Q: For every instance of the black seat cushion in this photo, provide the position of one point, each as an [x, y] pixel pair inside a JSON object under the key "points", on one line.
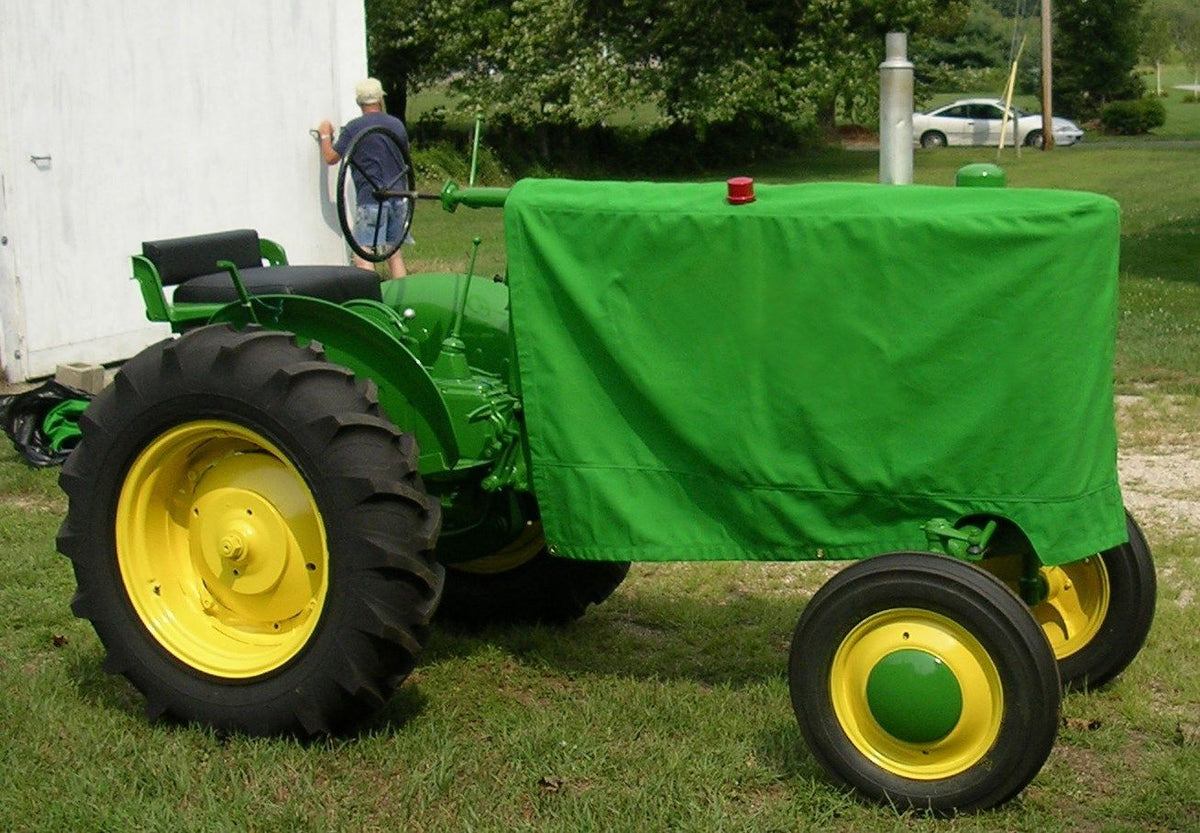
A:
{"points": [[179, 258], [331, 283]]}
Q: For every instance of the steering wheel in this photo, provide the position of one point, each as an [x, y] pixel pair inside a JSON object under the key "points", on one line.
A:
{"points": [[376, 163]]}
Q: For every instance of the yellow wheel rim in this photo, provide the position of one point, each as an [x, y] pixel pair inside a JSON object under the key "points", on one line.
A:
{"points": [[221, 549], [520, 550], [892, 635], [1076, 603]]}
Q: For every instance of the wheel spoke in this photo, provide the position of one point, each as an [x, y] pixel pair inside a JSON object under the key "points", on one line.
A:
{"points": [[1076, 604], [378, 225], [370, 180]]}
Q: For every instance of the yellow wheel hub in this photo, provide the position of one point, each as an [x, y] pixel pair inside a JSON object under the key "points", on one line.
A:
{"points": [[221, 549], [922, 671], [1076, 603]]}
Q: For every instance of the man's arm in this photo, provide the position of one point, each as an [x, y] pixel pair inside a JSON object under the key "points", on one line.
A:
{"points": [[325, 142]]}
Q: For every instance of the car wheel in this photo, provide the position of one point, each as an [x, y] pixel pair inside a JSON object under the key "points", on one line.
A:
{"points": [[933, 139], [1034, 139]]}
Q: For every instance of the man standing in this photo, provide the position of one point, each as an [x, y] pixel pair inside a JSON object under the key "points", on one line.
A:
{"points": [[375, 223]]}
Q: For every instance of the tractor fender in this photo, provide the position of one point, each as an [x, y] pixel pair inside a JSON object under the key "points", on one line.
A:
{"points": [[367, 343]]}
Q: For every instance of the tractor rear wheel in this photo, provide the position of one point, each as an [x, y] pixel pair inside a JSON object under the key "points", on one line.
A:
{"points": [[522, 582], [249, 535], [924, 682]]}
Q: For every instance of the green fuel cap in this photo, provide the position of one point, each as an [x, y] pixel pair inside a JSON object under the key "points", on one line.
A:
{"points": [[980, 175]]}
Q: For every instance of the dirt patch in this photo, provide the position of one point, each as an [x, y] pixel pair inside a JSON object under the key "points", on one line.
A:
{"points": [[34, 503], [1162, 488], [1159, 461]]}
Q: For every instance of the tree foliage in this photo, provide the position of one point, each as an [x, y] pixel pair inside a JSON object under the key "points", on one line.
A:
{"points": [[1157, 38], [981, 40], [696, 62], [1186, 29], [1096, 46]]}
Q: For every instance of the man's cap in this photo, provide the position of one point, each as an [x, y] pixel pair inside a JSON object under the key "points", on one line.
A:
{"points": [[368, 91]]}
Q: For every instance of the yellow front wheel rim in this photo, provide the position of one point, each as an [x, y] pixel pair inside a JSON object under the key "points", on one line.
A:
{"points": [[1076, 603], [222, 549], [961, 735]]}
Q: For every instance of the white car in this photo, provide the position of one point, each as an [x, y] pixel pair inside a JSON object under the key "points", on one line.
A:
{"points": [[976, 121]]}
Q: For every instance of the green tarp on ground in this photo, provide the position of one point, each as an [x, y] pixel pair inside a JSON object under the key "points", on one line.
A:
{"points": [[817, 373]]}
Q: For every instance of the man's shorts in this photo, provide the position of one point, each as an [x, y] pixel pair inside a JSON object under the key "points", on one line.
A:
{"points": [[390, 223]]}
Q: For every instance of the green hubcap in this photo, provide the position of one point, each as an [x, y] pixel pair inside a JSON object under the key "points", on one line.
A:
{"points": [[914, 696]]}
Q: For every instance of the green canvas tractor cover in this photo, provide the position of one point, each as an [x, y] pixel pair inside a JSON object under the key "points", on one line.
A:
{"points": [[817, 373]]}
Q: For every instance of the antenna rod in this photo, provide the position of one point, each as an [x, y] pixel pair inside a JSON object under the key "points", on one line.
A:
{"points": [[475, 149]]}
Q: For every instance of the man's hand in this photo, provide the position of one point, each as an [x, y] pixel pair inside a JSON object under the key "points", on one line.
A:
{"points": [[325, 142]]}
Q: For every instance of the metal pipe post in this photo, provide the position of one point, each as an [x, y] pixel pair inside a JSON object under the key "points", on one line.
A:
{"points": [[895, 113]]}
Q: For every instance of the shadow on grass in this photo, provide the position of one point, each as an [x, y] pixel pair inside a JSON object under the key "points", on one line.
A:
{"points": [[103, 690], [816, 165], [113, 693], [646, 637], [1170, 251]]}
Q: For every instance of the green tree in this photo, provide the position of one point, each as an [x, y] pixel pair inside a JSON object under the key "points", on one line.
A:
{"points": [[699, 62], [1157, 36], [1186, 29], [981, 40], [1096, 46], [840, 46]]}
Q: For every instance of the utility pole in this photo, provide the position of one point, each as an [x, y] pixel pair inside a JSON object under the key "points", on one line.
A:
{"points": [[1047, 78]]}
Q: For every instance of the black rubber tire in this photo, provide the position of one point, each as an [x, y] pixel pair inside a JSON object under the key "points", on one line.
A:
{"points": [[1133, 593], [933, 139], [406, 184], [992, 618], [542, 588], [1033, 139], [359, 474]]}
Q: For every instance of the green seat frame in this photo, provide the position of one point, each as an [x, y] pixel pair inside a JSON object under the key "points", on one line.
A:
{"points": [[182, 316]]}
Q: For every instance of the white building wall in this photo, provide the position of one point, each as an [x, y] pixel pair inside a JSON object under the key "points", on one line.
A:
{"points": [[132, 120]]}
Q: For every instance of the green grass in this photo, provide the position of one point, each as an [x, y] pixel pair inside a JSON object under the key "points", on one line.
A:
{"points": [[664, 709], [667, 707]]}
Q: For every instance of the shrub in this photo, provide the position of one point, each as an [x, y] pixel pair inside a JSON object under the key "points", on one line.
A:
{"points": [[1133, 117], [441, 160]]}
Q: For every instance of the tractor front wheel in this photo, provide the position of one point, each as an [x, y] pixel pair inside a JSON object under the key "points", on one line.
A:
{"points": [[1096, 612], [924, 682], [249, 535]]}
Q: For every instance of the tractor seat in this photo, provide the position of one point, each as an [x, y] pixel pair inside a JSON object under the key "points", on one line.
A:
{"points": [[330, 283], [190, 264]]}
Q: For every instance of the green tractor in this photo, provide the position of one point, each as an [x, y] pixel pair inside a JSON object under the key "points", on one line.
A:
{"points": [[267, 509]]}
